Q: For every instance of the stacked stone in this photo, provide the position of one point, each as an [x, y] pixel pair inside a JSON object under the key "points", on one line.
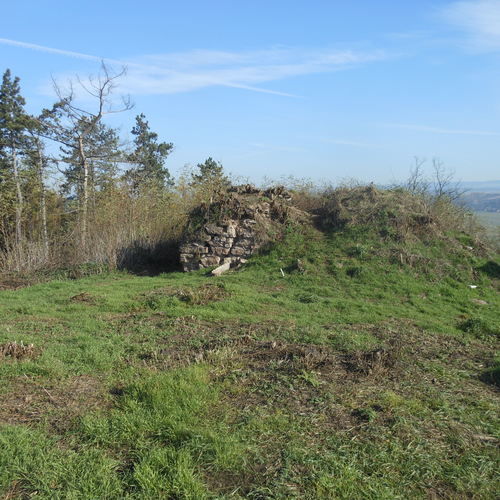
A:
{"points": [[232, 242], [234, 239]]}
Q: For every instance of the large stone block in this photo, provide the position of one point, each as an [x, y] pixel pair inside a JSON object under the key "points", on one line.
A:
{"points": [[239, 251], [220, 250], [194, 248], [210, 260], [214, 229], [231, 230], [221, 241]]}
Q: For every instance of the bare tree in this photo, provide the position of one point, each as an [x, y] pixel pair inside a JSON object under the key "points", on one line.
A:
{"points": [[444, 183], [417, 183], [75, 128]]}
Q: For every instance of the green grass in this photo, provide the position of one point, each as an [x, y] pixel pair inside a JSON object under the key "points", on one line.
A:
{"points": [[368, 371]]}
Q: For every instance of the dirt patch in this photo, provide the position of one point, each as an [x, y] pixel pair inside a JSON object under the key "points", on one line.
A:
{"points": [[292, 358], [28, 401], [83, 298], [11, 282], [376, 363]]}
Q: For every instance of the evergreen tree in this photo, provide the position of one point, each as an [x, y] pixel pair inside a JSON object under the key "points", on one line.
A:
{"points": [[210, 172], [148, 157], [14, 141], [102, 153]]}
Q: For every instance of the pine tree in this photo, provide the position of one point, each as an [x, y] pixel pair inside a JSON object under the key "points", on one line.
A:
{"points": [[14, 141], [102, 153], [148, 157], [210, 172]]}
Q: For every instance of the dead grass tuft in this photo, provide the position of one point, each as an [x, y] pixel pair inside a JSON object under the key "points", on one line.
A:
{"points": [[203, 295], [18, 350], [396, 213], [83, 297], [376, 363]]}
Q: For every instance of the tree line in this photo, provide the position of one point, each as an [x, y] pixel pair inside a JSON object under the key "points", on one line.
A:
{"points": [[72, 191]]}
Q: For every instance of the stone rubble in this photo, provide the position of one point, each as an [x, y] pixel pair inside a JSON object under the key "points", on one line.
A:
{"points": [[238, 235], [214, 245]]}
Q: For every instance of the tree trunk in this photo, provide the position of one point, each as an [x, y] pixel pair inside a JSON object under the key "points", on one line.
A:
{"points": [[43, 203], [85, 189], [19, 196]]}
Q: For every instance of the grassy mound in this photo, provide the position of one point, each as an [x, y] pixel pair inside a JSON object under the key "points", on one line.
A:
{"points": [[351, 360]]}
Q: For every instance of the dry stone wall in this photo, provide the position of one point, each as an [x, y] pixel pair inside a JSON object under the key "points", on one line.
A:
{"points": [[249, 217]]}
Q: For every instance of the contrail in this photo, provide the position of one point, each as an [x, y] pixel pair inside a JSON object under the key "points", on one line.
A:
{"points": [[89, 57], [50, 50]]}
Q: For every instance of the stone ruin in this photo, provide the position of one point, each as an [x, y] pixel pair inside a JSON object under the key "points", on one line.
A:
{"points": [[230, 229]]}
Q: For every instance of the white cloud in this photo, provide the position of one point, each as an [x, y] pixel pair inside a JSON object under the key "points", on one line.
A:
{"points": [[197, 69], [437, 130], [480, 19], [173, 73]]}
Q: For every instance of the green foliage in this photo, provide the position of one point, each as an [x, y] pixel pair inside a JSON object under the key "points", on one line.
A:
{"points": [[479, 328], [14, 120], [209, 172], [14, 143], [101, 147], [148, 157]]}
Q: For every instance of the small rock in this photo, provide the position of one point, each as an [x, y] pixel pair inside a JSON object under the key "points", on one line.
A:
{"points": [[231, 231], [238, 251], [480, 302], [221, 269]]}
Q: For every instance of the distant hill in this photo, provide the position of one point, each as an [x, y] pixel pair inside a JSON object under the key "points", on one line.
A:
{"points": [[482, 186], [482, 202], [481, 196]]}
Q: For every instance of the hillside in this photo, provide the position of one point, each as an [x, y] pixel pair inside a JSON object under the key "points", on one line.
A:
{"points": [[482, 202], [351, 359]]}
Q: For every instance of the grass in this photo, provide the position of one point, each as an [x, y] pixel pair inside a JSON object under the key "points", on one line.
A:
{"points": [[370, 370]]}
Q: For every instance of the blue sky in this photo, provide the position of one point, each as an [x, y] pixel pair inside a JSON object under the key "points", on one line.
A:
{"points": [[325, 90]]}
